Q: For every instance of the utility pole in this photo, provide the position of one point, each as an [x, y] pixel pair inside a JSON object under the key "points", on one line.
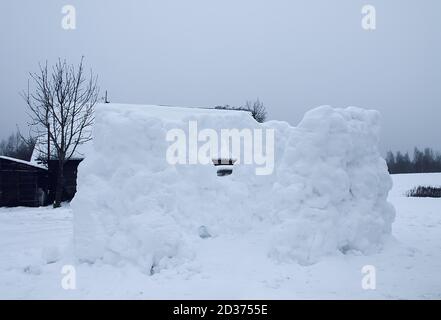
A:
{"points": [[48, 138]]}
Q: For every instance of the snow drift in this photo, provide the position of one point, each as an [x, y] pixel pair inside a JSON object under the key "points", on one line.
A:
{"points": [[327, 193]]}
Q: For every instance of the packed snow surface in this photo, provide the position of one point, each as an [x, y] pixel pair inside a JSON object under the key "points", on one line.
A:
{"points": [[327, 193], [35, 245]]}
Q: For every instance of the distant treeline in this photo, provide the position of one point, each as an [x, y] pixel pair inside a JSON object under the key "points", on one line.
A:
{"points": [[15, 146], [422, 161]]}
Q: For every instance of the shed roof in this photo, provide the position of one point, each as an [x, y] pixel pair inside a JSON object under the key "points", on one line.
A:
{"points": [[28, 163]]}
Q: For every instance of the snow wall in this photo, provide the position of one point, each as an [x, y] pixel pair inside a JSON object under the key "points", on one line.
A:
{"points": [[327, 193]]}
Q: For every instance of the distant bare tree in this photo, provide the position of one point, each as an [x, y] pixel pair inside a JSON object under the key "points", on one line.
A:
{"points": [[257, 109], [61, 113]]}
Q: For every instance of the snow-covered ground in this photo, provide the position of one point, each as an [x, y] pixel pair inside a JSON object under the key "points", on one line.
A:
{"points": [[230, 267]]}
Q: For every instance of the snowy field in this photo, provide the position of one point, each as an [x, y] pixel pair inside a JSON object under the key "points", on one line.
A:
{"points": [[36, 243]]}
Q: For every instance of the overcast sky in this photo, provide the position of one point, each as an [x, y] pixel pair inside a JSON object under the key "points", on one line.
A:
{"points": [[293, 55]]}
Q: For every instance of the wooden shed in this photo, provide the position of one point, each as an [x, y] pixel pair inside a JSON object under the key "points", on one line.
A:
{"points": [[22, 183]]}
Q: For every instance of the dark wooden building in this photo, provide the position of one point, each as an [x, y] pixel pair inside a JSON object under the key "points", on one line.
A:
{"points": [[28, 184], [22, 183]]}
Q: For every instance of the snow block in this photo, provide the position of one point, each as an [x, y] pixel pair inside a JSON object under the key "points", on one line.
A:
{"points": [[327, 193]]}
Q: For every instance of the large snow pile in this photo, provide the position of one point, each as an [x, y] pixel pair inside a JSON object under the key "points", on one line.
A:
{"points": [[326, 194]]}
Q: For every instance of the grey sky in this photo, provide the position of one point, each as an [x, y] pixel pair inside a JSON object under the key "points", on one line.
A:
{"points": [[293, 55]]}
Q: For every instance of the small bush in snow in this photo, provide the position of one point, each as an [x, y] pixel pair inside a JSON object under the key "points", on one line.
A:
{"points": [[424, 192]]}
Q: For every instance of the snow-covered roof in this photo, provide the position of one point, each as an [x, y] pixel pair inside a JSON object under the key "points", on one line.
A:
{"points": [[28, 163]]}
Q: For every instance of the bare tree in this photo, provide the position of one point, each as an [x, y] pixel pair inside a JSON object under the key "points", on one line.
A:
{"points": [[257, 109], [61, 113]]}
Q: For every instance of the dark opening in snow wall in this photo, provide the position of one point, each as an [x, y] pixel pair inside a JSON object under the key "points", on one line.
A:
{"points": [[224, 166]]}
